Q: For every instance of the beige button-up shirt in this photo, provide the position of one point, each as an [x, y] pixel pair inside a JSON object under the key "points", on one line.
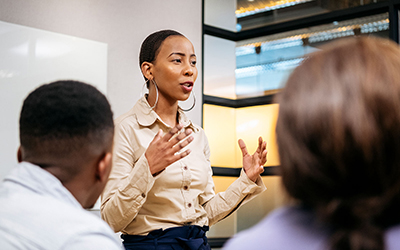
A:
{"points": [[134, 202]]}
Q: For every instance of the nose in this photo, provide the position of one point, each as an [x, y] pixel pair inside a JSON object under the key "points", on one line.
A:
{"points": [[188, 71]]}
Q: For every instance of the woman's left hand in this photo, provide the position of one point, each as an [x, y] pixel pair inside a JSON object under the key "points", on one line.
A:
{"points": [[253, 165]]}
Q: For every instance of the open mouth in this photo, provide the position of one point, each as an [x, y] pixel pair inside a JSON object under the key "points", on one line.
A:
{"points": [[188, 84]]}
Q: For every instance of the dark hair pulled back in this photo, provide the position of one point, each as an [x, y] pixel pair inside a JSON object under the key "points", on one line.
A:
{"points": [[338, 133], [151, 45]]}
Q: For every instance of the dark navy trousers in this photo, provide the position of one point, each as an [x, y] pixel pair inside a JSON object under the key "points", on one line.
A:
{"points": [[176, 238]]}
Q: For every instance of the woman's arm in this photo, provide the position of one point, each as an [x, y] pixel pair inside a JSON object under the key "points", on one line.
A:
{"points": [[129, 182], [242, 190]]}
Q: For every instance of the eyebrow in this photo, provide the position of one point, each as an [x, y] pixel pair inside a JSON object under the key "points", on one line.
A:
{"points": [[180, 54]]}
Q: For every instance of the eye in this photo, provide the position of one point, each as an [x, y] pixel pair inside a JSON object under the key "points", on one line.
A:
{"points": [[177, 60], [193, 63]]}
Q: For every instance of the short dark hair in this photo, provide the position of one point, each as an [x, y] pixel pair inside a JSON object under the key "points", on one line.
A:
{"points": [[65, 119], [338, 133], [151, 45]]}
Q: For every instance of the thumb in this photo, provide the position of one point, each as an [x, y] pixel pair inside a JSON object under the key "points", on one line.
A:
{"points": [[158, 136], [242, 146]]}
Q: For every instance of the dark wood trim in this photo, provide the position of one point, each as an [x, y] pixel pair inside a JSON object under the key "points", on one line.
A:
{"points": [[394, 23], [214, 100], [255, 101], [235, 172], [217, 242], [238, 103], [218, 32]]}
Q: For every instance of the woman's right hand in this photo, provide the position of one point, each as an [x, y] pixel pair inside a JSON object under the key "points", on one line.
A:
{"points": [[164, 149]]}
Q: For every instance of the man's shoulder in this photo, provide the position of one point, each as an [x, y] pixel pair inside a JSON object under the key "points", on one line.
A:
{"points": [[41, 220]]}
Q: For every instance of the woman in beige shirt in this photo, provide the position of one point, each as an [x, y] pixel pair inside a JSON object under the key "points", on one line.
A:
{"points": [[160, 194]]}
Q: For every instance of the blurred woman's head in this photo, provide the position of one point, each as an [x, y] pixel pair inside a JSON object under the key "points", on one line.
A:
{"points": [[339, 138]]}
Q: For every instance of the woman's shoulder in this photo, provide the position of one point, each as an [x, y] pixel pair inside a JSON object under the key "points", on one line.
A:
{"points": [[129, 117], [126, 121], [285, 228], [392, 237]]}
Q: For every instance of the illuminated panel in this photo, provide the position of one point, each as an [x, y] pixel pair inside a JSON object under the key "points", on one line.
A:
{"points": [[247, 215], [252, 122], [255, 210], [219, 126]]}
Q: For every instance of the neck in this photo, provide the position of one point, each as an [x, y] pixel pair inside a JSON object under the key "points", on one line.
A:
{"points": [[79, 189], [165, 109]]}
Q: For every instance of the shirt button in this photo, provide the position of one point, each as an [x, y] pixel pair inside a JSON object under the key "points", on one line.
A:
{"points": [[185, 168], [190, 205], [185, 187], [143, 195]]}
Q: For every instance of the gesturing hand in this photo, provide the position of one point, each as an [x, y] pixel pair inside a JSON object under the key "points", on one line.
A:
{"points": [[163, 149], [253, 165]]}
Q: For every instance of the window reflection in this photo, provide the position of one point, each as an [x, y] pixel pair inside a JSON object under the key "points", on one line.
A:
{"points": [[263, 64], [256, 13]]}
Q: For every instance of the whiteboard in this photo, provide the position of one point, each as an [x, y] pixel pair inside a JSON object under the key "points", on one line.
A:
{"points": [[31, 57]]}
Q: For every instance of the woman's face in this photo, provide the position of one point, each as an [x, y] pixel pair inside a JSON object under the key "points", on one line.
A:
{"points": [[175, 68]]}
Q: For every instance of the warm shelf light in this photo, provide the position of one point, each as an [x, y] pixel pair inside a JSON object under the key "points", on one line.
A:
{"points": [[272, 5]]}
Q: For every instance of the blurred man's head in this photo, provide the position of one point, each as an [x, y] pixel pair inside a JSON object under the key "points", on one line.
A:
{"points": [[66, 127]]}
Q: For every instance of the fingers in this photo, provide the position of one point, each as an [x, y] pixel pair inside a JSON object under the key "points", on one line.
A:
{"points": [[183, 154], [262, 145], [181, 136], [172, 132], [167, 149], [179, 146], [243, 147], [263, 158], [177, 141]]}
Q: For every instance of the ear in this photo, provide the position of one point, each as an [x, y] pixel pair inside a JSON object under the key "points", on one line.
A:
{"points": [[19, 154], [147, 70], [103, 167]]}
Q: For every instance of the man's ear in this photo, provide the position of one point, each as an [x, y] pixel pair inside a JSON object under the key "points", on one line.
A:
{"points": [[103, 167], [147, 70], [19, 154]]}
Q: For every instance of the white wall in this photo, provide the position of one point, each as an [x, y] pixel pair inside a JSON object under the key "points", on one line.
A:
{"points": [[123, 25], [30, 57], [220, 13]]}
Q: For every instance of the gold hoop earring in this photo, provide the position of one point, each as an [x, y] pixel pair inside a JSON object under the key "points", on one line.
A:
{"points": [[155, 85], [194, 102]]}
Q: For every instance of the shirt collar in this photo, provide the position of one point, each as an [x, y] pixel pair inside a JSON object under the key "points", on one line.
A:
{"points": [[41, 181], [146, 116]]}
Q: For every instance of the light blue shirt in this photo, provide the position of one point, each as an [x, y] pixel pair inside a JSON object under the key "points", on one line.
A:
{"points": [[297, 228], [38, 212]]}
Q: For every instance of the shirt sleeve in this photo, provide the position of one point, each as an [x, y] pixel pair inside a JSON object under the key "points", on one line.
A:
{"points": [[129, 182], [242, 190]]}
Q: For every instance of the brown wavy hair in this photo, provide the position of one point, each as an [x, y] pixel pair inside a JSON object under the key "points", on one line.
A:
{"points": [[338, 134]]}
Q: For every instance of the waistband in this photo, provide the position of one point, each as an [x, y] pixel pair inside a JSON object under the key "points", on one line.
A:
{"points": [[188, 237]]}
